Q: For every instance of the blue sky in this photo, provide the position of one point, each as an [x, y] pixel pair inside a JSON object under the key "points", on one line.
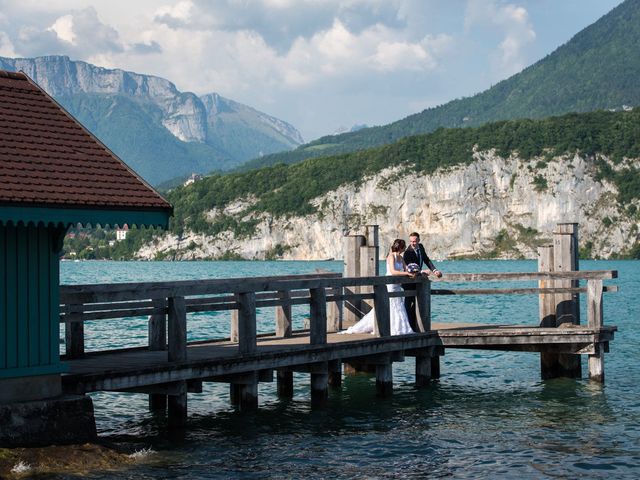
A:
{"points": [[321, 65]]}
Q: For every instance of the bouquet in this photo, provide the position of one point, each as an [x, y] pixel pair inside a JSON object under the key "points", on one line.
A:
{"points": [[413, 268]]}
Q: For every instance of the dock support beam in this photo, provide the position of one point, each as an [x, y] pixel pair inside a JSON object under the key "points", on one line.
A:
{"points": [[596, 365], [177, 406], [319, 384], [335, 374], [384, 380], [243, 391], [560, 308], [285, 383], [351, 253], [565, 256], [158, 342]]}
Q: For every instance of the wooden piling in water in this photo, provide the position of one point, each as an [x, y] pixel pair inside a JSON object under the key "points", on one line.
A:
{"points": [[158, 342], [565, 257], [319, 384], [351, 257], [335, 374], [177, 405], [547, 310]]}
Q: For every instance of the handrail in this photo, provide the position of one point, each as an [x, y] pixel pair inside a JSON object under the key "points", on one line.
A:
{"points": [[94, 293], [167, 303]]}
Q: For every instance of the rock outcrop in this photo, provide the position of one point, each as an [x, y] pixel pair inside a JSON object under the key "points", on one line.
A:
{"points": [[498, 207]]}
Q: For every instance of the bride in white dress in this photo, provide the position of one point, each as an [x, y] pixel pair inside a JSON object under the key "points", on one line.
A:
{"points": [[398, 313]]}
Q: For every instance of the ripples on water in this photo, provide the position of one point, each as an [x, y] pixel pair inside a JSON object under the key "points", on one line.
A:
{"points": [[489, 416]]}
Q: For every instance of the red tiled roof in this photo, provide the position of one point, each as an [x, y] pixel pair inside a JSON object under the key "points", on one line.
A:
{"points": [[49, 159]]}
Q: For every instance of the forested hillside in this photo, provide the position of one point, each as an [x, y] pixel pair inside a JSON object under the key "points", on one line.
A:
{"points": [[597, 69], [288, 190]]}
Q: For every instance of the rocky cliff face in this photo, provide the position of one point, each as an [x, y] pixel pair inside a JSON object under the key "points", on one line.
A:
{"points": [[503, 207]]}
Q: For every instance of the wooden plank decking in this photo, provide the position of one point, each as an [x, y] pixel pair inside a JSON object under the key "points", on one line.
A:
{"points": [[135, 368]]}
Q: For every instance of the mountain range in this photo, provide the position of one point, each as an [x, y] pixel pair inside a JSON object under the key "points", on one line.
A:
{"points": [[159, 131], [597, 69]]}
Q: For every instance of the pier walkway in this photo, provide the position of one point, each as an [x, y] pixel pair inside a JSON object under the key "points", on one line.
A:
{"points": [[170, 367]]}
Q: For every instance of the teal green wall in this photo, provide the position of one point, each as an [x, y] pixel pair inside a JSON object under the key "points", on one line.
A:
{"points": [[29, 299]]}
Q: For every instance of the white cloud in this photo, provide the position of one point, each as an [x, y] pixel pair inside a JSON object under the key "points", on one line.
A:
{"points": [[315, 63], [6, 46], [515, 28], [63, 28]]}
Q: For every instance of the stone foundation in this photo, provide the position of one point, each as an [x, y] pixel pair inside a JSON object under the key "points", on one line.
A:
{"points": [[63, 420]]}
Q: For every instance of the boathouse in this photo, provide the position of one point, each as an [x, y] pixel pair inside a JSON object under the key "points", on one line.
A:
{"points": [[53, 174]]}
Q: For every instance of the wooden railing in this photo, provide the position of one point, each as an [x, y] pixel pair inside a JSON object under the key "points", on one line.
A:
{"points": [[167, 303]]}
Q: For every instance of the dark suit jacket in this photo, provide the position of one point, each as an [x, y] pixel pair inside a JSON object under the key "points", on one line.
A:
{"points": [[410, 256]]}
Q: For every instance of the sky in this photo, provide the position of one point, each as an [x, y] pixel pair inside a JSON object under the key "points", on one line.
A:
{"points": [[321, 65]]}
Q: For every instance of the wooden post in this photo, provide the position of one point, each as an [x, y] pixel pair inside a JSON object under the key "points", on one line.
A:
{"points": [[594, 303], [334, 312], [74, 332], [244, 391], [319, 384], [335, 374], [177, 316], [384, 378], [368, 268], [318, 313], [565, 257], [248, 396], [351, 256], [177, 403], [596, 364], [549, 363], [158, 342], [285, 383], [423, 301], [435, 367], [247, 323], [233, 332], [595, 320], [158, 327], [423, 367], [372, 238], [283, 315], [382, 324]]}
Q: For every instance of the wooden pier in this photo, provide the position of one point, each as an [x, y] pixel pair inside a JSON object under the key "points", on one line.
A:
{"points": [[170, 367]]}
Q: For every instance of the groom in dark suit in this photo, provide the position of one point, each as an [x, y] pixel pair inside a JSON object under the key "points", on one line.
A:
{"points": [[415, 253]]}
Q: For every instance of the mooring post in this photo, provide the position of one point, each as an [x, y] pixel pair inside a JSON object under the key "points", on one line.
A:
{"points": [[549, 363], [158, 342], [565, 257], [351, 257], [595, 320]]}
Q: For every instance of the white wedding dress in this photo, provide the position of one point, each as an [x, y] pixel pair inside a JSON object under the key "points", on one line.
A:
{"points": [[399, 319]]}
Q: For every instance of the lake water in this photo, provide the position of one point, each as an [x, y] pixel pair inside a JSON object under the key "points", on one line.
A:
{"points": [[489, 415]]}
